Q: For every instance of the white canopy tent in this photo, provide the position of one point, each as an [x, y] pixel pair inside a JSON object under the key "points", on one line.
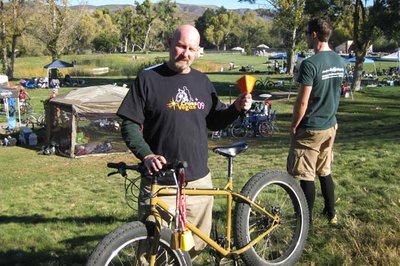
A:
{"points": [[393, 57], [263, 46], [238, 49]]}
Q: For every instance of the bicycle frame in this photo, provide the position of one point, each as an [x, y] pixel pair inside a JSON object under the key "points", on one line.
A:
{"points": [[230, 195]]}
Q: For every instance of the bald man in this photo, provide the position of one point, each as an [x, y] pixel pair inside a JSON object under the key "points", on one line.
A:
{"points": [[166, 114]]}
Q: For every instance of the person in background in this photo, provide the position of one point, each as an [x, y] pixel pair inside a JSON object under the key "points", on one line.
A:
{"points": [[276, 67], [23, 95], [53, 94], [166, 114], [314, 124]]}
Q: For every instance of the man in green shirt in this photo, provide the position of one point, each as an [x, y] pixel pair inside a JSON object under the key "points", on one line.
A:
{"points": [[314, 125]]}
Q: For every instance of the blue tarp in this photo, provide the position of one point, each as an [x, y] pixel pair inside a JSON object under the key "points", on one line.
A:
{"points": [[58, 64], [278, 56], [353, 60]]}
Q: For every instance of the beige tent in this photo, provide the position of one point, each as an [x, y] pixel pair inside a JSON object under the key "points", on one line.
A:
{"points": [[84, 121]]}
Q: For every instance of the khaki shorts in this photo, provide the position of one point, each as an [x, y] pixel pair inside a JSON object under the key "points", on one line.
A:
{"points": [[199, 208], [311, 153]]}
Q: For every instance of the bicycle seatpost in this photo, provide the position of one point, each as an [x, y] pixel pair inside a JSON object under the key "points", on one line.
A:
{"points": [[229, 152], [230, 167]]}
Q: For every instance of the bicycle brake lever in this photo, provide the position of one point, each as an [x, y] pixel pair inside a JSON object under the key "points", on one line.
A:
{"points": [[112, 173]]}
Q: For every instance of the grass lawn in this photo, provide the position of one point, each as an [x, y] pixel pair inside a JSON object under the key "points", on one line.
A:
{"points": [[54, 210]]}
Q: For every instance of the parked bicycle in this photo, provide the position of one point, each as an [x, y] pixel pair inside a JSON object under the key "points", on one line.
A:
{"points": [[33, 120], [26, 107], [270, 221], [266, 84], [256, 122]]}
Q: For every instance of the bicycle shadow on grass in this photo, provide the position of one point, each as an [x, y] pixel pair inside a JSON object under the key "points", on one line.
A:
{"points": [[37, 219], [47, 257], [76, 251]]}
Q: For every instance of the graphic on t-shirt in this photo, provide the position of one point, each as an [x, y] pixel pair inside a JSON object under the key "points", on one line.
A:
{"points": [[333, 72], [184, 101]]}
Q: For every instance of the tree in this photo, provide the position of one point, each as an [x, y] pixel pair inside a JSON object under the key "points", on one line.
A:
{"points": [[84, 34], [220, 27], [201, 24], [14, 16], [147, 14], [251, 30], [125, 21], [369, 24], [105, 42], [361, 40], [3, 37], [387, 13], [107, 31], [54, 25], [147, 11], [289, 19], [166, 11]]}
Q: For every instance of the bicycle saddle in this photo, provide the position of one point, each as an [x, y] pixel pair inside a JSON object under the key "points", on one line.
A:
{"points": [[231, 150]]}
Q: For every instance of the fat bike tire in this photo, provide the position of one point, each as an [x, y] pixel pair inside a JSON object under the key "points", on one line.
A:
{"points": [[280, 194], [129, 244]]}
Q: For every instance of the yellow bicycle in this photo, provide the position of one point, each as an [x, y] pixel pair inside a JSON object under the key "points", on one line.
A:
{"points": [[268, 226]]}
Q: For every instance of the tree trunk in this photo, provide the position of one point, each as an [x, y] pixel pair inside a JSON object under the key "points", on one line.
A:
{"points": [[52, 46], [10, 72], [291, 53], [358, 69], [3, 40], [146, 37], [126, 44]]}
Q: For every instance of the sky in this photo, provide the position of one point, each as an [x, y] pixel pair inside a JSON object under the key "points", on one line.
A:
{"points": [[228, 4]]}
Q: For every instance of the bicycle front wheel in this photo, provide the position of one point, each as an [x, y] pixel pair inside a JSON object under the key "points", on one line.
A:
{"points": [[238, 131], [129, 245], [280, 194]]}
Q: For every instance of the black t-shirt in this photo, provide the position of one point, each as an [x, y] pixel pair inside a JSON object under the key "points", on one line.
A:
{"points": [[175, 110]]}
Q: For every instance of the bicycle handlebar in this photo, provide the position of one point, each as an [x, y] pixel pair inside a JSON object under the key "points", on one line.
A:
{"points": [[122, 167]]}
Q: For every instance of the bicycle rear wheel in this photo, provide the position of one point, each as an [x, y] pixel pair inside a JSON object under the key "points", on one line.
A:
{"points": [[280, 194], [265, 129], [129, 244], [30, 121]]}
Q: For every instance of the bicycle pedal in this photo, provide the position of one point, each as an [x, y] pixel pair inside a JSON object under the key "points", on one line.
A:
{"points": [[186, 241], [175, 240]]}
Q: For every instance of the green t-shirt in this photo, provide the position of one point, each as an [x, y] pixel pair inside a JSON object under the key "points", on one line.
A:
{"points": [[323, 71]]}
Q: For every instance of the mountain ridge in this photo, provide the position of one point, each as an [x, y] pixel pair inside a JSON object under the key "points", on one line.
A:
{"points": [[189, 12]]}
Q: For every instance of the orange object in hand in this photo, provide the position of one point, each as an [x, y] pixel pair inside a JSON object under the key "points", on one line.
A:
{"points": [[246, 83]]}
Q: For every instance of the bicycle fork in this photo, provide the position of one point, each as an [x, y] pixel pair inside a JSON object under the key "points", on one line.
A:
{"points": [[156, 234], [155, 238]]}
